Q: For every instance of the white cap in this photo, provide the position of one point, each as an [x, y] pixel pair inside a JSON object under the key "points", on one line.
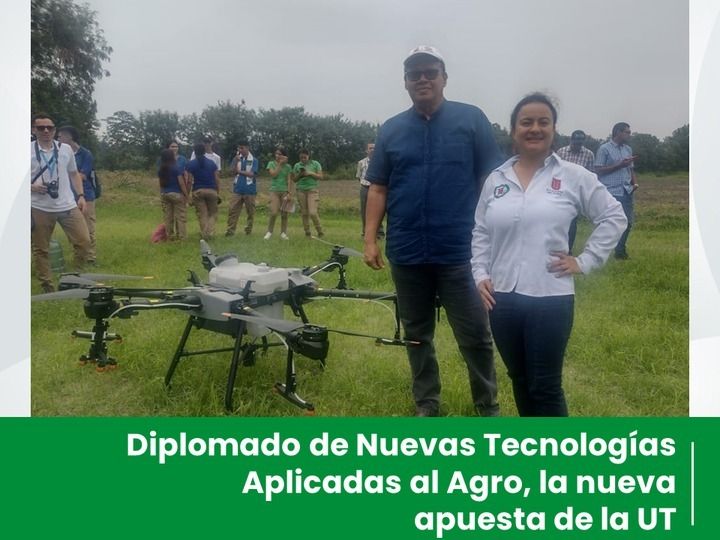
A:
{"points": [[424, 49]]}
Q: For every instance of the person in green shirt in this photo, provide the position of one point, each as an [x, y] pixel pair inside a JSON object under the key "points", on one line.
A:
{"points": [[306, 174], [281, 193]]}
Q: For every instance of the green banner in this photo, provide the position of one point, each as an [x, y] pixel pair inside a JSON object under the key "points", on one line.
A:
{"points": [[320, 478]]}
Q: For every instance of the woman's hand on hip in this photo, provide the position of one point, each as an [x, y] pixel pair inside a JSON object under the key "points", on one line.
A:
{"points": [[563, 264]]}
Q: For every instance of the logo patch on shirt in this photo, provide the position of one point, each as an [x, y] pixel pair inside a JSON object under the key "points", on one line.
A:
{"points": [[501, 191], [555, 188]]}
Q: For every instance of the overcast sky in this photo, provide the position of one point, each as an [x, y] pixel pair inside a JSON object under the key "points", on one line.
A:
{"points": [[603, 61]]}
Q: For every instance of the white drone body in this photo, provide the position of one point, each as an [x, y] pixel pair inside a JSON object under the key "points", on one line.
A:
{"points": [[264, 281]]}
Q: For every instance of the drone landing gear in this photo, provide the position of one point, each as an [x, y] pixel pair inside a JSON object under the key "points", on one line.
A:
{"points": [[97, 353], [287, 390], [242, 353]]}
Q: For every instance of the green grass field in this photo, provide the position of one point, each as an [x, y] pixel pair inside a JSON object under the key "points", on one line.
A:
{"points": [[628, 355]]}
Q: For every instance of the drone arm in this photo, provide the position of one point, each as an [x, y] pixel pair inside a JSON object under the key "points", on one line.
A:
{"points": [[347, 293], [132, 307], [325, 266], [378, 340], [160, 294]]}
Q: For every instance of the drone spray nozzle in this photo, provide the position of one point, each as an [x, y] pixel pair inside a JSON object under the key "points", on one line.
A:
{"points": [[206, 255]]}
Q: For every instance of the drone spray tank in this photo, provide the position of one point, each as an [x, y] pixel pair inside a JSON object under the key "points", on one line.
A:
{"points": [[263, 279]]}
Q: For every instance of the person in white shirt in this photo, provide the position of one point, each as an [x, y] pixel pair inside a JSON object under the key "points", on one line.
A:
{"points": [[209, 152], [52, 169], [520, 258], [360, 172]]}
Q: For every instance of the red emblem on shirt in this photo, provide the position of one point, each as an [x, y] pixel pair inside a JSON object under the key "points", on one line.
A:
{"points": [[555, 184]]}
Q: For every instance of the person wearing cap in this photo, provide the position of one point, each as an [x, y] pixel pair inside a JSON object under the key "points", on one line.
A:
{"points": [[576, 153], [427, 170], [614, 165]]}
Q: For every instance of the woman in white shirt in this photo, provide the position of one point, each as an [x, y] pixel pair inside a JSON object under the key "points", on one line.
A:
{"points": [[520, 259]]}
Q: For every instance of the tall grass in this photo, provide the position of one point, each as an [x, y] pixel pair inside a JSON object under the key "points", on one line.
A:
{"points": [[628, 354]]}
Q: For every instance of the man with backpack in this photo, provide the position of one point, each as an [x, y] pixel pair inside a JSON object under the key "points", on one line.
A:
{"points": [[85, 166]]}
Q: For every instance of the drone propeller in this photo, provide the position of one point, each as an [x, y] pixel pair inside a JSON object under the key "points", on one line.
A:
{"points": [[113, 277], [342, 250], [61, 295], [73, 281], [281, 326]]}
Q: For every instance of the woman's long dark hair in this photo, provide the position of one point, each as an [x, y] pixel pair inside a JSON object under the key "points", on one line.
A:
{"points": [[167, 162], [199, 150]]}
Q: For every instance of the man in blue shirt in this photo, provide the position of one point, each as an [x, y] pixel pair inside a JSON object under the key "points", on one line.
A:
{"points": [[427, 171], [614, 165], [85, 166], [246, 169]]}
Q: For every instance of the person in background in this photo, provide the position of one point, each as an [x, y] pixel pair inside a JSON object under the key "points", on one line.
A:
{"points": [[306, 174], [210, 154], [614, 165], [180, 162], [520, 262], [246, 169], [576, 153], [86, 167], [56, 196], [427, 169], [282, 193], [205, 187], [173, 196], [361, 171]]}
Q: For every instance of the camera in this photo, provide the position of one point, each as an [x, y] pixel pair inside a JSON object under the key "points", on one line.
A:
{"points": [[302, 170], [52, 189]]}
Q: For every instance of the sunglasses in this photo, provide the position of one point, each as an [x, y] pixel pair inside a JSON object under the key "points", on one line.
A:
{"points": [[44, 128], [415, 74]]}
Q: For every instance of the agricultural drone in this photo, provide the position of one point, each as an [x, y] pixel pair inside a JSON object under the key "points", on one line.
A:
{"points": [[241, 300]]}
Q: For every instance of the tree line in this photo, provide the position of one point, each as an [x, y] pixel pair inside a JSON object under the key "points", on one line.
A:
{"points": [[68, 50], [134, 142], [672, 154]]}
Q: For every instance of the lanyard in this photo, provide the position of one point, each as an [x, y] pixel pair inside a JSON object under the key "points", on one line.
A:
{"points": [[51, 164]]}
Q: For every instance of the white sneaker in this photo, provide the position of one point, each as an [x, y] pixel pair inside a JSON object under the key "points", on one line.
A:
{"points": [[284, 236], [267, 236]]}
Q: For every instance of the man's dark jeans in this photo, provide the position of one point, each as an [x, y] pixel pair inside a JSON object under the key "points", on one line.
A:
{"points": [[627, 206], [531, 334], [417, 287]]}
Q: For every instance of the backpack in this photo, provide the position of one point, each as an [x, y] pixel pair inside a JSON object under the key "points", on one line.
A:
{"points": [[95, 181], [159, 234]]}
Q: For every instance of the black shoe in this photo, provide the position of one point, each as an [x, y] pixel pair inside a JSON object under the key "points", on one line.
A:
{"points": [[488, 411], [622, 256], [425, 411]]}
